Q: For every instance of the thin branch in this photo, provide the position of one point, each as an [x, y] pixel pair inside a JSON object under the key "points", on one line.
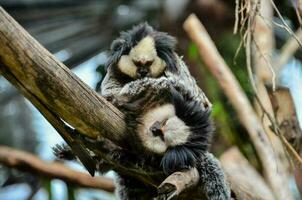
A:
{"points": [[236, 24], [288, 50], [293, 154], [284, 22], [263, 41], [235, 94], [27, 162]]}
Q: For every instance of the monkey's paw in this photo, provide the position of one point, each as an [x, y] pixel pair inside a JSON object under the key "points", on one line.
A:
{"points": [[139, 86]]}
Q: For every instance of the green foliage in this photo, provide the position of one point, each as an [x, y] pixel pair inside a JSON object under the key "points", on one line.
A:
{"points": [[47, 187], [71, 192], [228, 46], [193, 52]]}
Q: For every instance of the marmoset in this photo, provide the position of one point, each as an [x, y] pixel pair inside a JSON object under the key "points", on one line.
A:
{"points": [[144, 52], [169, 132], [166, 132], [167, 114]]}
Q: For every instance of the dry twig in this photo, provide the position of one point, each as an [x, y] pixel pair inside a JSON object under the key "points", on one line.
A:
{"points": [[27, 162], [263, 40], [233, 91], [288, 50]]}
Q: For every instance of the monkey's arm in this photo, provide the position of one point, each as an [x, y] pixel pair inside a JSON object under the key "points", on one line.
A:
{"points": [[212, 179], [101, 153], [183, 81], [76, 146], [110, 87]]}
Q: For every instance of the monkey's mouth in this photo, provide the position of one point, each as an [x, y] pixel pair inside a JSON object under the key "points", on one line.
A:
{"points": [[143, 74]]}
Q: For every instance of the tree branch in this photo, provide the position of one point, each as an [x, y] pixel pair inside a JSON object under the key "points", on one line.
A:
{"points": [[27, 162], [288, 50], [58, 93], [245, 181], [178, 182], [54, 85], [264, 44], [238, 99]]}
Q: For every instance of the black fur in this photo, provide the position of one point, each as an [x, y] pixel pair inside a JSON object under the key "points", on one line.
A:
{"points": [[182, 156], [164, 44], [186, 156], [192, 154]]}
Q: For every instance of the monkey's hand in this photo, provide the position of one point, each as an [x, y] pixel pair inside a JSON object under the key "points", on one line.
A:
{"points": [[141, 92], [136, 87]]}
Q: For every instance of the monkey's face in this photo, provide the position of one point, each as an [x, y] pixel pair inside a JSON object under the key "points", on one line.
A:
{"points": [[142, 52], [162, 129], [142, 61]]}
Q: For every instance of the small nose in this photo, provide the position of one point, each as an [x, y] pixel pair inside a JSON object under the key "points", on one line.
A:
{"points": [[143, 72]]}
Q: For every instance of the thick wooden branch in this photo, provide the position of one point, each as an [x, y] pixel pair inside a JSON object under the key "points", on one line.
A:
{"points": [[237, 97], [58, 93], [246, 183], [54, 85], [27, 162]]}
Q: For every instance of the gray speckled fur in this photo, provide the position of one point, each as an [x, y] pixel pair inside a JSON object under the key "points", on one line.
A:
{"points": [[212, 179], [181, 80], [212, 185]]}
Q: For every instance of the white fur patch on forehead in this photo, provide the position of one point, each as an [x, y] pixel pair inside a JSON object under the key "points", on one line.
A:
{"points": [[126, 66], [159, 114], [144, 51], [176, 132], [151, 143]]}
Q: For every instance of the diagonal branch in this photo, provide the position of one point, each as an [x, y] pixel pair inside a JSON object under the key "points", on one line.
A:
{"points": [[56, 87], [288, 50], [28, 162], [61, 97], [235, 94], [58, 93]]}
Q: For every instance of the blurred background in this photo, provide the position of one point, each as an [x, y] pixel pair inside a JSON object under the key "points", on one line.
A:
{"points": [[78, 33]]}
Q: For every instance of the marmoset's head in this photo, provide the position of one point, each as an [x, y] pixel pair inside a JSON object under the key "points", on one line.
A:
{"points": [[180, 131], [142, 52]]}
